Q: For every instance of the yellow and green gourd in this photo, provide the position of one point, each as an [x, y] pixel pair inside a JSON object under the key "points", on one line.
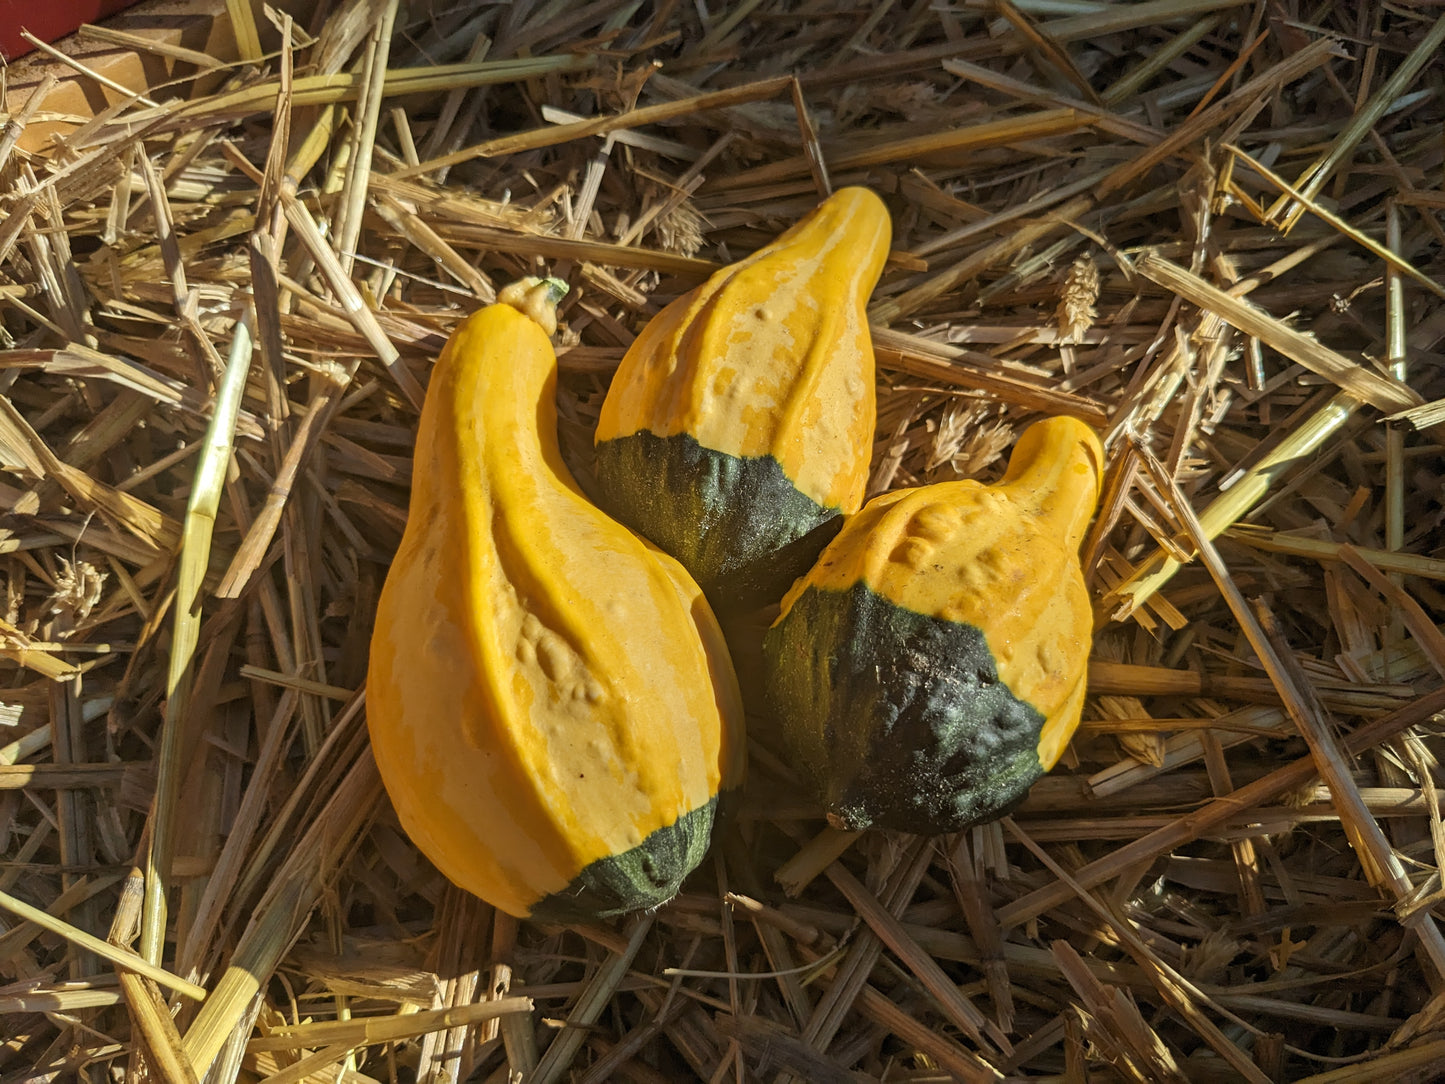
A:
{"points": [[550, 702], [931, 666], [738, 428]]}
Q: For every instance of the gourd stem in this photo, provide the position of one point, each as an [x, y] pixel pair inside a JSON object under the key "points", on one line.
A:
{"points": [[535, 298], [556, 289]]}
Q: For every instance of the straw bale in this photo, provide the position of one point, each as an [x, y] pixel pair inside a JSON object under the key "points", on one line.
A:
{"points": [[232, 247]]}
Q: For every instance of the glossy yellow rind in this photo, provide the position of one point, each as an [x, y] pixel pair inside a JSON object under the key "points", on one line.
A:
{"points": [[1054, 474], [771, 356], [545, 689], [1059, 727], [1001, 558]]}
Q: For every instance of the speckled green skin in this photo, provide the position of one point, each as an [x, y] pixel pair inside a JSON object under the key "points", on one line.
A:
{"points": [[737, 524], [895, 718], [645, 877]]}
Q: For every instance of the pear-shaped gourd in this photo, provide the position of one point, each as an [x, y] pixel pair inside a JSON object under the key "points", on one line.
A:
{"points": [[739, 426], [550, 702], [931, 666]]}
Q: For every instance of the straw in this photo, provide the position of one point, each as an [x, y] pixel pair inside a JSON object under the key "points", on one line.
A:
{"points": [[371, 1031], [158, 1036], [358, 175], [116, 955], [1299, 444], [243, 23], [193, 560], [352, 304], [1364, 384], [633, 118], [1360, 238], [145, 43], [15, 126], [90, 73], [558, 1056], [1233, 870], [330, 89], [1316, 173]]}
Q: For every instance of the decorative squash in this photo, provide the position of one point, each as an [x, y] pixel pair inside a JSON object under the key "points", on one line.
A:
{"points": [[931, 666], [739, 426], [550, 702]]}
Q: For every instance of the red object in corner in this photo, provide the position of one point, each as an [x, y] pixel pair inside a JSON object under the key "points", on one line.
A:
{"points": [[48, 20]]}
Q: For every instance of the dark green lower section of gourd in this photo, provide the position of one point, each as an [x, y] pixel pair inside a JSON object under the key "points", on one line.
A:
{"points": [[647, 876], [897, 719], [737, 524]]}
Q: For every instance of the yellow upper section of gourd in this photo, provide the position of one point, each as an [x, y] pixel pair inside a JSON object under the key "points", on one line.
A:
{"points": [[772, 355], [1001, 558], [545, 688]]}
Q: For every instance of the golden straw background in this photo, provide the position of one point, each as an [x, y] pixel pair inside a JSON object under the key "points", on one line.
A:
{"points": [[1211, 229]]}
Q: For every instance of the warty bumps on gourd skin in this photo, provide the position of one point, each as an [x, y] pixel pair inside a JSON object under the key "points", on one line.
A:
{"points": [[932, 664], [550, 701], [738, 428]]}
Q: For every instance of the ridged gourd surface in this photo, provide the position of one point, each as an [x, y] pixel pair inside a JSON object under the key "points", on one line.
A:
{"points": [[546, 690], [747, 406], [980, 588]]}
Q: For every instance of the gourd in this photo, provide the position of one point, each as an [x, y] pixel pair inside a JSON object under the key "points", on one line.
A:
{"points": [[931, 666], [551, 705], [739, 425]]}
